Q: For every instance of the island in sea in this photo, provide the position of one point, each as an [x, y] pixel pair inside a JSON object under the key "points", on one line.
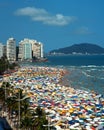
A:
{"points": [[82, 48]]}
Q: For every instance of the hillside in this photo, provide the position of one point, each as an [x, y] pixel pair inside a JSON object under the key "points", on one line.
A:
{"points": [[83, 48]]}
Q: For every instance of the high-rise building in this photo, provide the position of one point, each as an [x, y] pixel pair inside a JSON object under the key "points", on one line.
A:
{"points": [[11, 49], [21, 51], [41, 50], [4, 50], [27, 50], [37, 49], [1, 50], [30, 48]]}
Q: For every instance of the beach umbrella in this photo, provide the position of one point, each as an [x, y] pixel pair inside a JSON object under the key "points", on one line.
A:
{"points": [[100, 127], [58, 127]]}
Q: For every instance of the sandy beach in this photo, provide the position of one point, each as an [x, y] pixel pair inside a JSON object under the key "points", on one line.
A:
{"points": [[67, 108]]}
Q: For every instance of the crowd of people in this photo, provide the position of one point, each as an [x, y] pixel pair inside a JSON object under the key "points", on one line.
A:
{"points": [[66, 107]]}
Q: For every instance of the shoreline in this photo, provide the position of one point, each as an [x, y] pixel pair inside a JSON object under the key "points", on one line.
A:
{"points": [[76, 106]]}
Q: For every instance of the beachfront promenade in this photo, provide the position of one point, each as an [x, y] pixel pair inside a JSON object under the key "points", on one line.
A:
{"points": [[66, 107]]}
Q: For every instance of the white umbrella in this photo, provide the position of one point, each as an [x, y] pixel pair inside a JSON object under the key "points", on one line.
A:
{"points": [[101, 126]]}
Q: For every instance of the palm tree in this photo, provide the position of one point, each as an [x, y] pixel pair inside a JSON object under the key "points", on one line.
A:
{"points": [[40, 120], [26, 120], [30, 119], [26, 115], [12, 105], [5, 91], [34, 119], [2, 96], [19, 103], [26, 123]]}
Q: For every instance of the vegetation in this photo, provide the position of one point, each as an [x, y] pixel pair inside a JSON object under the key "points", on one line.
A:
{"points": [[17, 104], [5, 65], [80, 48]]}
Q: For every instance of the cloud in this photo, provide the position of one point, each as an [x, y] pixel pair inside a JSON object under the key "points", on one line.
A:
{"points": [[82, 31], [41, 15]]}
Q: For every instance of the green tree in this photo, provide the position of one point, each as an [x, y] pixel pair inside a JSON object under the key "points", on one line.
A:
{"points": [[4, 63], [5, 91], [40, 120], [19, 103]]}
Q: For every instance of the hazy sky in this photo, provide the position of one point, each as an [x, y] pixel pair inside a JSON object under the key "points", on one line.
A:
{"points": [[55, 23]]}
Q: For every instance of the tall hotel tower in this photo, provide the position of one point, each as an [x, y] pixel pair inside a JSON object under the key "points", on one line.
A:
{"points": [[30, 48], [11, 49], [25, 50], [37, 49], [41, 48], [1, 50]]}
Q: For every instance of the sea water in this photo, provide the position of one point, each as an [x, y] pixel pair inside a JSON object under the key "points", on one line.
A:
{"points": [[85, 71]]}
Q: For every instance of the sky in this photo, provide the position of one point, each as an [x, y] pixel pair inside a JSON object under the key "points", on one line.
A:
{"points": [[55, 23]]}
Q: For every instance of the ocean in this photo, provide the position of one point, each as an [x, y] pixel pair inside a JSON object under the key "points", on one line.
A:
{"points": [[85, 71]]}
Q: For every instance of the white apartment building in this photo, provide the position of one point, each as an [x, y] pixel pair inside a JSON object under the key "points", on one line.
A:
{"points": [[26, 45], [41, 48], [11, 49], [25, 50], [4, 50], [37, 49], [1, 50], [21, 51]]}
